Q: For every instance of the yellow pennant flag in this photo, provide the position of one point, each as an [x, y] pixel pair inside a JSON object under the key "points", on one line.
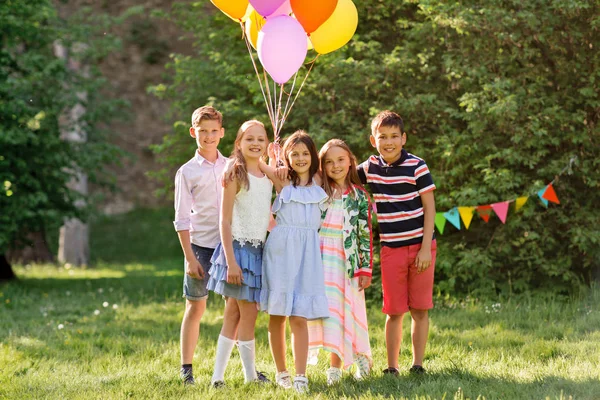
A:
{"points": [[466, 214], [520, 202]]}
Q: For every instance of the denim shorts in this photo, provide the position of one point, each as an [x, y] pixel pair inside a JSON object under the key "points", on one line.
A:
{"points": [[195, 289]]}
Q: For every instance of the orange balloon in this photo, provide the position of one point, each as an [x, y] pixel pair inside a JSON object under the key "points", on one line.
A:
{"points": [[234, 9], [312, 13]]}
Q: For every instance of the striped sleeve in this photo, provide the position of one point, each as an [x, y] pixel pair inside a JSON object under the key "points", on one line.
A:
{"points": [[423, 178], [362, 172]]}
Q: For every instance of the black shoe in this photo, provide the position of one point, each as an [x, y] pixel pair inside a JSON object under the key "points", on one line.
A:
{"points": [[417, 370], [187, 377], [262, 377], [218, 384], [391, 371]]}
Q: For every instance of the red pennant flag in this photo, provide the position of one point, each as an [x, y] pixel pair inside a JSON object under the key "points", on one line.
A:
{"points": [[550, 194], [501, 210], [484, 212]]}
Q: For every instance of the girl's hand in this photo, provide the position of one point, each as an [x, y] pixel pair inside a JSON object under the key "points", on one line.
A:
{"points": [[194, 269], [364, 282], [423, 260], [282, 173], [274, 150], [228, 173], [234, 274]]}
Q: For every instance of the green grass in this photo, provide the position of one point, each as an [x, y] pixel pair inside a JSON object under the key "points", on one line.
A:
{"points": [[58, 340]]}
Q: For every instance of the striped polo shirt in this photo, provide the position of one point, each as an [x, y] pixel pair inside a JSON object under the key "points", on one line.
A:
{"points": [[397, 190]]}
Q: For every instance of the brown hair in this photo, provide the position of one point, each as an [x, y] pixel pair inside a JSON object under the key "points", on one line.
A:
{"points": [[206, 113], [352, 177], [301, 137], [387, 118], [240, 172]]}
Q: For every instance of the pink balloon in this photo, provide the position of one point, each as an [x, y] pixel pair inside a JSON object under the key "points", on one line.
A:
{"points": [[266, 7], [284, 9], [282, 47]]}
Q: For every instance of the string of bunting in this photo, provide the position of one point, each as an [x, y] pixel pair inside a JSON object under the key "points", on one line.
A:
{"points": [[465, 213]]}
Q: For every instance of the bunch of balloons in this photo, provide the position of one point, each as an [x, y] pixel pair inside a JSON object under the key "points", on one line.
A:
{"points": [[282, 32]]}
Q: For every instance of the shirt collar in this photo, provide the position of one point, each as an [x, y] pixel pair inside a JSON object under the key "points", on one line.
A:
{"points": [[220, 158], [403, 156]]}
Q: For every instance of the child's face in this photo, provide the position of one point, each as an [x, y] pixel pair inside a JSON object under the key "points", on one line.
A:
{"points": [[388, 140], [337, 165], [299, 158], [254, 142], [207, 134]]}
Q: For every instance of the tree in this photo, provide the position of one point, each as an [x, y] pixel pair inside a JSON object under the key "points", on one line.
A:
{"points": [[36, 88], [496, 97]]}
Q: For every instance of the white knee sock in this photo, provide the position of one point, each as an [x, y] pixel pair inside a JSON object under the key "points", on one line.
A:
{"points": [[247, 349], [224, 348]]}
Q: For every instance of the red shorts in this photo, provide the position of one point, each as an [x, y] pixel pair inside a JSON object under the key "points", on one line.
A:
{"points": [[403, 287]]}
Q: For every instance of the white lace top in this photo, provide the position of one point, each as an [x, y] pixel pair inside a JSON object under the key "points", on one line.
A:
{"points": [[252, 211]]}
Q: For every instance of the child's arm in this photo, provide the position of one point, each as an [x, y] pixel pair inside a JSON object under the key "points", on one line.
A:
{"points": [[183, 208], [423, 259], [234, 272], [270, 172], [365, 241]]}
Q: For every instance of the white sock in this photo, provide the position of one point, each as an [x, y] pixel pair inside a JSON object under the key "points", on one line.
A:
{"points": [[224, 348], [247, 349]]}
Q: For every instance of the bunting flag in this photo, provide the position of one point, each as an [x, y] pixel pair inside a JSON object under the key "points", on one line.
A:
{"points": [[541, 196], [520, 202], [550, 194], [501, 209], [453, 217], [484, 212], [466, 214], [440, 222]]}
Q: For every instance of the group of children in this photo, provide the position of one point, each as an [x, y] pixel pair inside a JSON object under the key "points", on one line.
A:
{"points": [[315, 263]]}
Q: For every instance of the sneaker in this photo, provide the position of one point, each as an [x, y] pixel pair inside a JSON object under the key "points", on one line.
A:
{"points": [[363, 366], [218, 384], [417, 369], [284, 380], [301, 384], [261, 377], [334, 375], [391, 371], [187, 376]]}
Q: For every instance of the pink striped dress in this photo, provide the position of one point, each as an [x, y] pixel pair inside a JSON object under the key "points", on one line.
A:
{"points": [[345, 332]]}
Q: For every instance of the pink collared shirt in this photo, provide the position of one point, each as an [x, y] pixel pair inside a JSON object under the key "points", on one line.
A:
{"points": [[198, 199]]}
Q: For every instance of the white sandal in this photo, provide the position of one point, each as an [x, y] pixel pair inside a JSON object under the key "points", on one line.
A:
{"points": [[301, 384], [334, 375], [283, 379]]}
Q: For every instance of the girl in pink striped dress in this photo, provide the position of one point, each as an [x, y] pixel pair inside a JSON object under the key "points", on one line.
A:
{"points": [[346, 247]]}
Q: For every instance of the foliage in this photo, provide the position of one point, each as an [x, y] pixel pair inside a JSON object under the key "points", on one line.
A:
{"points": [[36, 88], [496, 98]]}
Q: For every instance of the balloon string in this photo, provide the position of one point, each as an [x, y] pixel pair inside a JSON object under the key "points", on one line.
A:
{"points": [[279, 121], [312, 64], [267, 102], [289, 96]]}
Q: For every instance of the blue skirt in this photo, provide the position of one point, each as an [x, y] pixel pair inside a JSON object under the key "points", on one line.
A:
{"points": [[249, 258]]}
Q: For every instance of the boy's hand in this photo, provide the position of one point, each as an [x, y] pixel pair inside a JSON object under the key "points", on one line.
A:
{"points": [[423, 260], [234, 274], [194, 269], [228, 173], [364, 282]]}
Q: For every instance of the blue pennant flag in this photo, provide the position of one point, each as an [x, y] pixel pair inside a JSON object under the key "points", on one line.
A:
{"points": [[541, 194], [453, 217]]}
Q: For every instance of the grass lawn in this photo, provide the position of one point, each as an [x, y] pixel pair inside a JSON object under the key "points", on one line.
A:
{"points": [[112, 332]]}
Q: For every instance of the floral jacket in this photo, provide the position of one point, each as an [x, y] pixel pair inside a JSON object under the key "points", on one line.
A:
{"points": [[357, 231]]}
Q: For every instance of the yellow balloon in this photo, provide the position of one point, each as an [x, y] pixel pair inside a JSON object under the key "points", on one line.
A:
{"points": [[253, 25], [337, 30], [234, 9]]}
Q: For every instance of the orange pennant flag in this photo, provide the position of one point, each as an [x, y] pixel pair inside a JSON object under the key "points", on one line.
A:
{"points": [[520, 202], [550, 194], [466, 214], [484, 212]]}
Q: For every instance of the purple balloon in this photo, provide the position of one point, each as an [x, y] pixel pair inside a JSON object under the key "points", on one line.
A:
{"points": [[266, 7], [282, 47], [284, 9]]}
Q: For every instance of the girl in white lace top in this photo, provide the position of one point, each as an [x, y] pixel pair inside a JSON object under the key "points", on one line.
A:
{"points": [[237, 262]]}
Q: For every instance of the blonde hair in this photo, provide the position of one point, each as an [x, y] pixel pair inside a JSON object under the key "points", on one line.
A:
{"points": [[206, 113], [240, 172], [352, 178]]}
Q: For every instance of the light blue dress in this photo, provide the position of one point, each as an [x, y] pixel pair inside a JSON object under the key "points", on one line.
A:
{"points": [[293, 280]]}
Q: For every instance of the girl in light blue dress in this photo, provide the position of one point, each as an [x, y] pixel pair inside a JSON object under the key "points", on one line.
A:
{"points": [[293, 281]]}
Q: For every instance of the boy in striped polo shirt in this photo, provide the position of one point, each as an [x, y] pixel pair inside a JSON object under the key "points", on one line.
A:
{"points": [[403, 191]]}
